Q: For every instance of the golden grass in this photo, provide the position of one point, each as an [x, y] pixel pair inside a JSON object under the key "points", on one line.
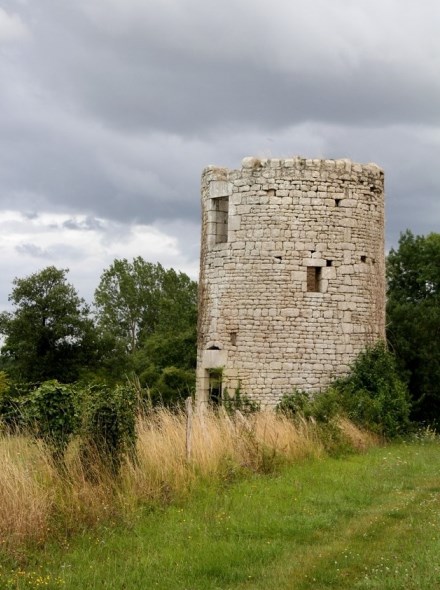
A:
{"points": [[38, 501], [26, 496]]}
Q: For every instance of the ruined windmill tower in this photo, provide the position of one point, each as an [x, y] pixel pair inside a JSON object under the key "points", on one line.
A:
{"points": [[292, 274]]}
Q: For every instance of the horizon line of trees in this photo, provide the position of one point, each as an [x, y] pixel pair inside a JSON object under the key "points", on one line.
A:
{"points": [[143, 323]]}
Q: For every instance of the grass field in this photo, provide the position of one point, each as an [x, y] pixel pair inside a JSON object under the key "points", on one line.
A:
{"points": [[41, 500], [369, 521]]}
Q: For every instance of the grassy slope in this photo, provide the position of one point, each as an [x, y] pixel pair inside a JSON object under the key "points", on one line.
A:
{"points": [[366, 521]]}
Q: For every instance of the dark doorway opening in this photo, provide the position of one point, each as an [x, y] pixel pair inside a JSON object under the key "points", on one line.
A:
{"points": [[215, 386]]}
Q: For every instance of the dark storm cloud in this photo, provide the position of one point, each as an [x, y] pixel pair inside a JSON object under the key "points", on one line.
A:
{"points": [[184, 68], [111, 108]]}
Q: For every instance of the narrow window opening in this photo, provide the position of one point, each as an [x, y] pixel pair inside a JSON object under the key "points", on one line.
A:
{"points": [[271, 192], [329, 262], [373, 261], [215, 386], [221, 208], [313, 279], [363, 259], [337, 202], [233, 336]]}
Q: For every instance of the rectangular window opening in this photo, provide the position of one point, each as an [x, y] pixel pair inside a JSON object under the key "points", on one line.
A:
{"points": [[221, 209], [314, 279], [215, 386]]}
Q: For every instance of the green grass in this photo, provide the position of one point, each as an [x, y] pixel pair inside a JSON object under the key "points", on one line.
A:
{"points": [[361, 522]]}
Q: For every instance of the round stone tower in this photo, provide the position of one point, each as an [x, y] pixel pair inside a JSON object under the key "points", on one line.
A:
{"points": [[292, 275]]}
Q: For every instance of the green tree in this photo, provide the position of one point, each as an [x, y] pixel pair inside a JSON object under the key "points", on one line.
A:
{"points": [[413, 318], [137, 299], [49, 335]]}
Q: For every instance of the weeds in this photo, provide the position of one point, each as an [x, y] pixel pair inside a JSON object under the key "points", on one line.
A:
{"points": [[39, 502]]}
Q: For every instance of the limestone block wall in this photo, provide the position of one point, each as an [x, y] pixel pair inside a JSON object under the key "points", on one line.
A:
{"points": [[292, 274]]}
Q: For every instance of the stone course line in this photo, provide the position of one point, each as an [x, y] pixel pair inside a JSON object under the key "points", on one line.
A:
{"points": [[292, 274]]}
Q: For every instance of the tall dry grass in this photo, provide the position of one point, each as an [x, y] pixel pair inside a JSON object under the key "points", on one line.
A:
{"points": [[39, 501]]}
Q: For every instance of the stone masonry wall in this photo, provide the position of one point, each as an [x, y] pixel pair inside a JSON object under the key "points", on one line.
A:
{"points": [[292, 275]]}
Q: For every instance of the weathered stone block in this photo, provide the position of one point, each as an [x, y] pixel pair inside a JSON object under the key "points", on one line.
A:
{"points": [[284, 217]]}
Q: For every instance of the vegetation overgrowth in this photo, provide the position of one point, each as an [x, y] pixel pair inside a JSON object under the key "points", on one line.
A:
{"points": [[369, 521], [413, 320], [143, 322], [82, 445], [40, 501], [372, 395]]}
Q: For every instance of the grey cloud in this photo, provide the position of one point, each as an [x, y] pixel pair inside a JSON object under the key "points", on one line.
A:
{"points": [[56, 252], [29, 215], [89, 223], [178, 69], [33, 250], [111, 108]]}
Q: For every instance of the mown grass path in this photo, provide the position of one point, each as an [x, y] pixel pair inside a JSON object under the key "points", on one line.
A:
{"points": [[359, 522]]}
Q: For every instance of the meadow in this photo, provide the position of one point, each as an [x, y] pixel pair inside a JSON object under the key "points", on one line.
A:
{"points": [[262, 502]]}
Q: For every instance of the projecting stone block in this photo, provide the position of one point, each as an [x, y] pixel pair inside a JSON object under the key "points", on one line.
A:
{"points": [[288, 293], [220, 188]]}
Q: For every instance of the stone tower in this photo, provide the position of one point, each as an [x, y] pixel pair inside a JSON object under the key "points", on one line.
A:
{"points": [[292, 274]]}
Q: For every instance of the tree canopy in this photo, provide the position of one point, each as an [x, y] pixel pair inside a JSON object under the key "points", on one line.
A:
{"points": [[413, 319], [137, 299], [49, 335]]}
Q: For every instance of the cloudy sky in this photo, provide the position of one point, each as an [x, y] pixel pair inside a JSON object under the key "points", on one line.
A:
{"points": [[110, 109]]}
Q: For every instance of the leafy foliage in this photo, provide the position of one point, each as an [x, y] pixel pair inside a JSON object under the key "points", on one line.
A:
{"points": [[413, 314], [51, 414], [166, 366], [173, 386], [239, 402], [372, 396], [137, 299], [294, 404], [108, 425], [50, 334]]}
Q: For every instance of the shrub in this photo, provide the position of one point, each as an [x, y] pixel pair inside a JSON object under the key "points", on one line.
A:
{"points": [[108, 426], [50, 413], [372, 396], [173, 387], [168, 386], [239, 402], [9, 403], [294, 404]]}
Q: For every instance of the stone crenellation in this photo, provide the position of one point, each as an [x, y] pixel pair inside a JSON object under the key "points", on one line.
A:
{"points": [[292, 274]]}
